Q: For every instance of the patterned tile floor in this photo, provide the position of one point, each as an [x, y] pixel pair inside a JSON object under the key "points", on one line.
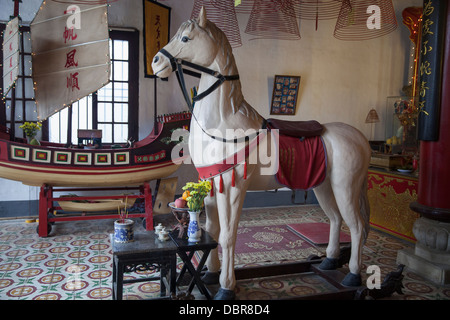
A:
{"points": [[75, 262]]}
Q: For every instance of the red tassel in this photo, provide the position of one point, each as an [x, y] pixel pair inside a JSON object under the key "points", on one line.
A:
{"points": [[245, 170], [221, 184], [212, 187], [233, 182]]}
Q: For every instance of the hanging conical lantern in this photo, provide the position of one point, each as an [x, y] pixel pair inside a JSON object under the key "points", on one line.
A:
{"points": [[274, 19], [365, 19], [223, 16], [92, 2], [317, 9], [245, 6]]}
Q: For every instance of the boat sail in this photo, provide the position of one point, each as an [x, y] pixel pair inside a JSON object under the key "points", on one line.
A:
{"points": [[10, 55], [70, 57]]}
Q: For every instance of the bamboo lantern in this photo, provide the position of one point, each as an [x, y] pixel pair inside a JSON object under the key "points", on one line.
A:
{"points": [[365, 19]]}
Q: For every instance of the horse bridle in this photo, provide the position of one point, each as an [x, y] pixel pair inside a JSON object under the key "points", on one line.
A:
{"points": [[177, 64]]}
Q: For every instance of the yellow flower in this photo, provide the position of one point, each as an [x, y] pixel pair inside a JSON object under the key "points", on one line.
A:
{"points": [[197, 194], [31, 128]]}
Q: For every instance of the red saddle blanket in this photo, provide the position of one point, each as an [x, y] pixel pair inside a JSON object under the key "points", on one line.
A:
{"points": [[302, 162]]}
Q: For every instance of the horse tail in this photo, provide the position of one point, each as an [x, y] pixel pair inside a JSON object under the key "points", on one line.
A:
{"points": [[365, 209]]}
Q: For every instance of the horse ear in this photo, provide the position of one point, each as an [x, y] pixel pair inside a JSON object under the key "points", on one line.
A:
{"points": [[202, 17]]}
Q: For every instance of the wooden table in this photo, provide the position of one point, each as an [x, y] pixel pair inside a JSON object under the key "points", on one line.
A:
{"points": [[146, 252]]}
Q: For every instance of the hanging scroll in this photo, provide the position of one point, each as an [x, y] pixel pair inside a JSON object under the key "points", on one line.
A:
{"points": [[156, 32], [430, 69], [10, 55]]}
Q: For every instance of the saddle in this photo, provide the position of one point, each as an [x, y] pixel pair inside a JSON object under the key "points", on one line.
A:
{"points": [[305, 129], [302, 155]]}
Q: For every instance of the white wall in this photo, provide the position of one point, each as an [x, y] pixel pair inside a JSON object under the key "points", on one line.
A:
{"points": [[340, 80]]}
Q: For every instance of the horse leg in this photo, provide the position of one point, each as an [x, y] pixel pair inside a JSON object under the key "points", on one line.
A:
{"points": [[229, 204], [213, 228], [347, 199], [325, 197]]}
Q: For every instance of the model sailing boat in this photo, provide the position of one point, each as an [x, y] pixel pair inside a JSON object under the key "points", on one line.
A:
{"points": [[70, 63]]}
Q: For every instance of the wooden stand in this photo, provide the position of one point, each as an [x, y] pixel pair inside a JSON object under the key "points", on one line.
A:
{"points": [[392, 283], [47, 206], [334, 277], [186, 251]]}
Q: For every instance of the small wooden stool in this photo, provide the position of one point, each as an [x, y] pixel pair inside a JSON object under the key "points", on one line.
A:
{"points": [[186, 251], [146, 252]]}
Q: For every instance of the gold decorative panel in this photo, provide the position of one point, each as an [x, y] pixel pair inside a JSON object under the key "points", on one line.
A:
{"points": [[389, 196]]}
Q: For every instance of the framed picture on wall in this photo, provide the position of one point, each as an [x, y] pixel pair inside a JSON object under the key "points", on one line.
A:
{"points": [[284, 96], [156, 32]]}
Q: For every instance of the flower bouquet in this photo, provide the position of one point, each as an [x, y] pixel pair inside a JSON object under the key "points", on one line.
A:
{"points": [[197, 193], [31, 129]]}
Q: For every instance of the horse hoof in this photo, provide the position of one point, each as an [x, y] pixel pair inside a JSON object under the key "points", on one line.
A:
{"points": [[329, 264], [211, 278], [225, 294], [352, 280]]}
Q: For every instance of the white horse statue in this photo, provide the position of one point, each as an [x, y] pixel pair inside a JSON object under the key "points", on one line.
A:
{"points": [[219, 107]]}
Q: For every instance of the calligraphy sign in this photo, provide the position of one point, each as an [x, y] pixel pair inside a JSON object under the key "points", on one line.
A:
{"points": [[430, 68], [10, 55], [156, 32]]}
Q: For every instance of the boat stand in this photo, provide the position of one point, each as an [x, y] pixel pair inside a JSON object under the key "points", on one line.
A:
{"points": [[392, 282], [47, 206]]}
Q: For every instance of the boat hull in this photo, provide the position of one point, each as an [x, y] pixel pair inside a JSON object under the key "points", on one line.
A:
{"points": [[35, 176], [150, 158]]}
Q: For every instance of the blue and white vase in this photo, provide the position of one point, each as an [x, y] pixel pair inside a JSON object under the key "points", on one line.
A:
{"points": [[124, 231], [194, 232]]}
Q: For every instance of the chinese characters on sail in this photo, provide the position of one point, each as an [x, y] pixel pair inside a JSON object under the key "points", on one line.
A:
{"points": [[69, 35]]}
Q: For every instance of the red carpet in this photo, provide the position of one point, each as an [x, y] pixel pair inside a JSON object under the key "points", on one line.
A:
{"points": [[316, 232], [270, 244]]}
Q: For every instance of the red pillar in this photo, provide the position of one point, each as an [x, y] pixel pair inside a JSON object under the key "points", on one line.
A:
{"points": [[434, 177]]}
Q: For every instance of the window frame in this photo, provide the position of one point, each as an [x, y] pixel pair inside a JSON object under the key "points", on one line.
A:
{"points": [[21, 78], [133, 86]]}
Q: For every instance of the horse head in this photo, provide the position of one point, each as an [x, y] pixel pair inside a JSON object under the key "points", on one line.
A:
{"points": [[195, 42]]}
